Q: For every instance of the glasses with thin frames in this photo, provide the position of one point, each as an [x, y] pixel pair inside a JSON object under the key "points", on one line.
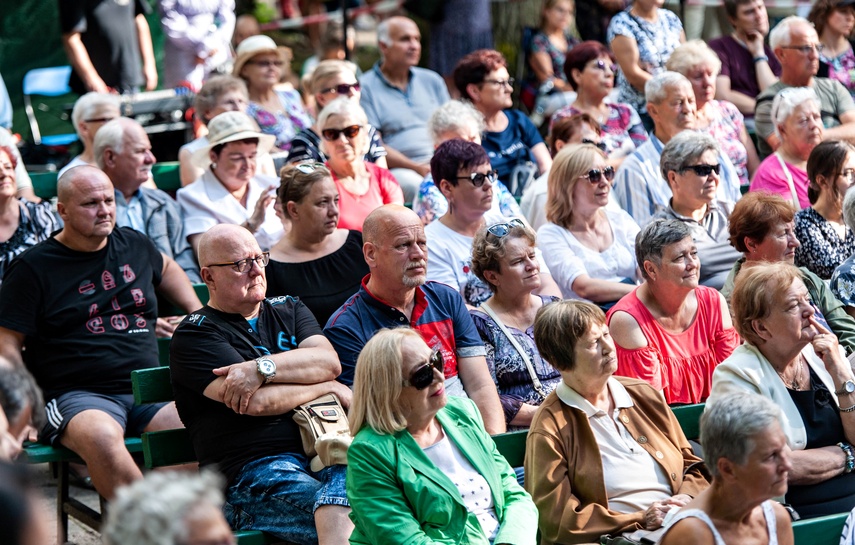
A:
{"points": [[342, 89], [596, 175], [99, 120], [333, 134], [423, 376], [478, 178], [600, 145], [245, 265], [703, 170], [806, 49], [501, 230], [501, 82]]}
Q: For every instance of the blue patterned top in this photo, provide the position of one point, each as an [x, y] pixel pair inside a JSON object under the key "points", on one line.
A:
{"points": [[507, 367], [431, 204]]}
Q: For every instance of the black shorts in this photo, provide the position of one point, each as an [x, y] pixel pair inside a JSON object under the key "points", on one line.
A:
{"points": [[60, 410]]}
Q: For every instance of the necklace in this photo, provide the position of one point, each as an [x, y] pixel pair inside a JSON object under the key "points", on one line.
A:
{"points": [[795, 382]]}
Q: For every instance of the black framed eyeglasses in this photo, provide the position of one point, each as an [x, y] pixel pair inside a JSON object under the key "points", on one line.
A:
{"points": [[244, 265], [342, 89], [703, 170], [308, 168], [478, 178], [333, 134], [596, 175], [423, 376], [600, 145], [500, 230]]}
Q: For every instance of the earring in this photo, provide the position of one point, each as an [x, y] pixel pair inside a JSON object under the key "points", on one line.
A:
{"points": [[213, 166]]}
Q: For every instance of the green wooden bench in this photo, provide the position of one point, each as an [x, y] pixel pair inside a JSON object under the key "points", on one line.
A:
{"points": [[689, 417], [166, 177], [44, 184], [819, 531], [166, 308], [512, 446]]}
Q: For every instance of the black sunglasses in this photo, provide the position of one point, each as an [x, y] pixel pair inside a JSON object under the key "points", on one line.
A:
{"points": [[333, 134], [423, 377], [702, 170], [502, 229], [600, 145], [478, 179], [595, 175], [341, 89]]}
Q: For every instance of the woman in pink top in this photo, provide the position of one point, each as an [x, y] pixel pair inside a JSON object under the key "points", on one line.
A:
{"points": [[362, 186], [670, 331], [798, 123]]}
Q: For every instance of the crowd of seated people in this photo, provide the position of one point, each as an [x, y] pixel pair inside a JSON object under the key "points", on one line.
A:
{"points": [[654, 261]]}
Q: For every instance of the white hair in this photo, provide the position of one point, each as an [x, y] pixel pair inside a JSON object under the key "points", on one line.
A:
{"points": [[343, 107], [453, 115], [110, 135], [88, 103], [782, 33], [656, 89], [787, 100], [383, 32]]}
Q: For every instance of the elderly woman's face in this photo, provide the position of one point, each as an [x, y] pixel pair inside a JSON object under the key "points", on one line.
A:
{"points": [[342, 84], [702, 78], [263, 70], [344, 148], [595, 356], [466, 131], [789, 317], [592, 188], [235, 164], [415, 355], [779, 244], [230, 101], [597, 76], [692, 191], [803, 128], [519, 269], [679, 265], [8, 186], [764, 474], [465, 197], [495, 92]]}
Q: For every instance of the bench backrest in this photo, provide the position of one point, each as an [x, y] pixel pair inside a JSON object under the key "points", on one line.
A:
{"points": [[689, 417]]}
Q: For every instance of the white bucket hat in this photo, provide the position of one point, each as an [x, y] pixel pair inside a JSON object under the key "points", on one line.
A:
{"points": [[231, 127]]}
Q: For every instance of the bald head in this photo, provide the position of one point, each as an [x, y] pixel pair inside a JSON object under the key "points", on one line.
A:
{"points": [[386, 219], [74, 178], [219, 243]]}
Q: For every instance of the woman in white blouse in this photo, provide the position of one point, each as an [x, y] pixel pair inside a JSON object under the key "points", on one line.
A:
{"points": [[588, 247]]}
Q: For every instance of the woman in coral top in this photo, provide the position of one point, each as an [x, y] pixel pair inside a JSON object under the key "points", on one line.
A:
{"points": [[670, 331]]}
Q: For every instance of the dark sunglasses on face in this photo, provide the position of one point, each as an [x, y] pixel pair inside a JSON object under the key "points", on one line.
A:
{"points": [[595, 175], [266, 63], [478, 178], [702, 170], [341, 89], [502, 229], [600, 145], [333, 134], [423, 376], [601, 65]]}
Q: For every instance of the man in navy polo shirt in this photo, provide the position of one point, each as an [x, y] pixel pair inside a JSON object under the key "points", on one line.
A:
{"points": [[396, 294]]}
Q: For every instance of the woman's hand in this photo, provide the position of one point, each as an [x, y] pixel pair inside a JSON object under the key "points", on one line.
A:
{"points": [[260, 211], [826, 347]]}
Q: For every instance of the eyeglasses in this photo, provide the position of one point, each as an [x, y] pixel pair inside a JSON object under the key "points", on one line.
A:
{"points": [[99, 120], [702, 170], [600, 145], [308, 168], [849, 174], [501, 82], [342, 89], [423, 377], [805, 49], [266, 63], [596, 175], [478, 179], [244, 265], [333, 134], [601, 65], [501, 230]]}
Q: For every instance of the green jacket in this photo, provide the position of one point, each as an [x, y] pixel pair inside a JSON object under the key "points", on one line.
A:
{"points": [[398, 495]]}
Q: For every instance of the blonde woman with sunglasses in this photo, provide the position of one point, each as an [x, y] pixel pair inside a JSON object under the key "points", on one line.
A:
{"points": [[362, 185], [587, 244]]}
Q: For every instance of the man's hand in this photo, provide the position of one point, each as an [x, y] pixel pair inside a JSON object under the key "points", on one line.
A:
{"points": [[345, 395], [150, 73], [241, 383]]}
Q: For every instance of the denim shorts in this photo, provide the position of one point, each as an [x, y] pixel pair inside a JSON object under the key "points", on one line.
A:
{"points": [[279, 495]]}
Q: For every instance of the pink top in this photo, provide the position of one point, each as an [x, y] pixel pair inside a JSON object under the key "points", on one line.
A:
{"points": [[770, 177], [382, 189], [679, 365]]}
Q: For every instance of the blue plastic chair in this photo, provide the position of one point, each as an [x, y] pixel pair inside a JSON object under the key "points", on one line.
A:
{"points": [[51, 82]]}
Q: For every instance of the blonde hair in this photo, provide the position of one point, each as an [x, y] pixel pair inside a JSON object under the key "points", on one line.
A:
{"points": [[327, 70], [756, 293], [693, 54], [571, 162], [378, 381]]}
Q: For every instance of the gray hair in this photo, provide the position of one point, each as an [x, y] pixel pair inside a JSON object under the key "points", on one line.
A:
{"points": [[656, 89], [654, 238], [111, 135], [343, 107], [153, 510], [787, 100], [693, 54], [782, 33], [454, 115], [383, 36], [849, 209], [730, 425], [18, 390], [88, 103], [684, 149]]}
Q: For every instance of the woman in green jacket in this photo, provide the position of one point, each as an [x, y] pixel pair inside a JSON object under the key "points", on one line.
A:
{"points": [[421, 468]]}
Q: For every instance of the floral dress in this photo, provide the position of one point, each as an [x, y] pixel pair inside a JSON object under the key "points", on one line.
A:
{"points": [[842, 69], [284, 126], [822, 249], [726, 127]]}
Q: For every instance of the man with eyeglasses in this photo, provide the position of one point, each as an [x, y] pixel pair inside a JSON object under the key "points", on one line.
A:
{"points": [[239, 367], [396, 293], [399, 97], [796, 44], [79, 310]]}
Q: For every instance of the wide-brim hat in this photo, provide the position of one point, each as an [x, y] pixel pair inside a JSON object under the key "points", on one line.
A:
{"points": [[252, 46], [231, 127]]}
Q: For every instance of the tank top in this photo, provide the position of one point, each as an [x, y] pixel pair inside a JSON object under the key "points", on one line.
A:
{"points": [[768, 512]]}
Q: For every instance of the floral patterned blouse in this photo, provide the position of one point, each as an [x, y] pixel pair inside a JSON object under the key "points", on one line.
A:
{"points": [[623, 128], [284, 126], [842, 69], [822, 250], [507, 367], [843, 282], [726, 127], [36, 223], [540, 44]]}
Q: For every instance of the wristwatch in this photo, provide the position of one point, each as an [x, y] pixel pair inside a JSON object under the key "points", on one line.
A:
{"points": [[848, 387], [266, 368]]}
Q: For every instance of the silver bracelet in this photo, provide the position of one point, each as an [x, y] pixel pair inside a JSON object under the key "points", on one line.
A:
{"points": [[847, 409]]}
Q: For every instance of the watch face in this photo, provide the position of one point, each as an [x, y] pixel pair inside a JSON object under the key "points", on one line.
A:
{"points": [[849, 386], [267, 367]]}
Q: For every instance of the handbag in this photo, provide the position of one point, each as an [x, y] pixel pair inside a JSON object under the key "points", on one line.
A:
{"points": [[324, 429]]}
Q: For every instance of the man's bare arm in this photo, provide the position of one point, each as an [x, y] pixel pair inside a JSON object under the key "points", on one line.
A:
{"points": [[82, 64], [275, 399], [481, 389], [176, 287], [11, 344]]}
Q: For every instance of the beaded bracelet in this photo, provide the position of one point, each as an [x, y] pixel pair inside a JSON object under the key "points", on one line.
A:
{"points": [[847, 409], [850, 457]]}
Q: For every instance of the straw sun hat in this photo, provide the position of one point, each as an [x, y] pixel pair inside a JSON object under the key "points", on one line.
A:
{"points": [[231, 127]]}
